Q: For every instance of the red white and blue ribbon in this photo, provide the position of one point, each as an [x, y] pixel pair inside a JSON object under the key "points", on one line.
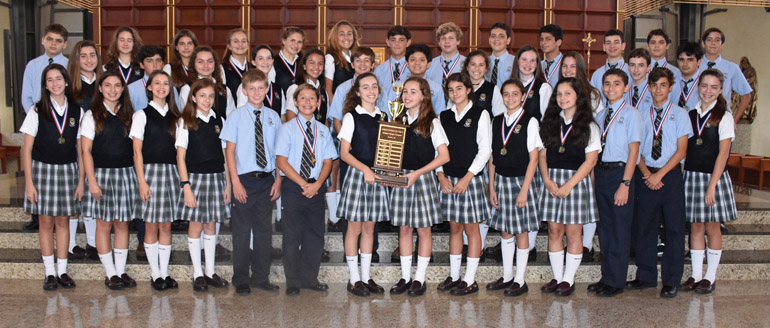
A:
{"points": [[286, 62], [63, 125], [658, 128], [564, 135], [553, 72], [701, 126], [606, 129], [529, 89], [304, 135], [507, 136]]}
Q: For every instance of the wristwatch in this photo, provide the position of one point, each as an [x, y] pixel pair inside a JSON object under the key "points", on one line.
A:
{"points": [[626, 182], [181, 184]]}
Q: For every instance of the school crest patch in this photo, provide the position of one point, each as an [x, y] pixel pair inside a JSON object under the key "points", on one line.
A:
{"points": [[483, 97], [217, 129], [468, 123], [517, 129], [72, 122]]}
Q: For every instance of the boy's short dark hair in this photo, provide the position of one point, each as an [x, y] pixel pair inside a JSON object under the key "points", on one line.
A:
{"points": [[612, 32], [659, 73], [148, 51], [57, 29], [640, 53], [399, 30], [362, 51], [554, 30], [618, 72], [420, 47], [711, 30], [502, 26], [659, 32], [690, 49]]}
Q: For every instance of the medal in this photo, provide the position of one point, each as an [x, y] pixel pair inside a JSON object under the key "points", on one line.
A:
{"points": [[60, 126], [698, 141], [656, 142], [318, 116], [701, 126], [507, 136], [563, 137], [561, 149], [503, 151], [61, 140], [307, 141], [556, 69]]}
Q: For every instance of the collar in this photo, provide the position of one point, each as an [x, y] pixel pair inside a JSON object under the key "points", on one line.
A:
{"points": [[303, 121], [616, 105], [361, 110], [641, 87], [509, 117], [204, 117], [87, 80], [493, 57], [241, 66], [701, 111], [561, 113], [162, 110], [58, 108], [212, 78], [660, 62], [465, 110], [346, 55], [555, 59], [527, 82], [110, 109], [251, 109], [452, 60], [480, 84], [315, 84], [400, 62], [409, 118], [620, 62], [56, 58], [290, 61], [716, 61], [120, 62], [665, 105]]}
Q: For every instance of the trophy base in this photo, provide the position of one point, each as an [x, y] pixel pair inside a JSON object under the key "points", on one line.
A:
{"points": [[391, 179]]}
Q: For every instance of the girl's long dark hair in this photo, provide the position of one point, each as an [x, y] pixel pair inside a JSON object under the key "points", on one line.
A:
{"points": [[126, 111], [113, 54], [538, 69], [720, 108], [302, 74], [219, 87], [173, 111], [354, 99], [74, 67], [581, 123], [427, 113], [177, 70], [582, 75], [44, 106], [190, 111]]}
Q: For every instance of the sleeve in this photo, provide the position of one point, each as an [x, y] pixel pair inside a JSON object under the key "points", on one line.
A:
{"points": [[222, 74], [726, 127], [596, 79], [28, 87], [283, 141], [683, 125], [80, 124], [138, 122], [133, 94], [335, 110], [241, 98], [224, 143], [484, 141], [439, 105], [230, 128], [329, 151], [594, 142], [634, 127], [182, 135], [183, 94], [288, 103], [329, 67], [533, 135], [87, 128], [545, 96], [739, 82], [438, 135], [30, 124], [348, 125], [498, 107], [230, 102]]}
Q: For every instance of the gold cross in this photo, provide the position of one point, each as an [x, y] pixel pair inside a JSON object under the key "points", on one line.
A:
{"points": [[589, 40]]}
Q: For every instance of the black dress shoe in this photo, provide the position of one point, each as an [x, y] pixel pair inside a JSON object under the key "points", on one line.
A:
{"points": [[319, 287], [292, 291], [495, 252], [215, 281], [400, 287], [373, 287], [141, 255], [464, 289], [50, 283], [668, 292], [326, 256], [128, 281], [705, 287], [92, 253], [448, 284], [595, 287], [588, 255], [609, 291], [689, 285], [222, 254], [171, 283], [158, 284], [78, 253], [358, 289], [199, 285], [564, 289], [516, 290], [32, 225], [266, 286], [243, 290], [114, 283], [550, 287], [499, 284], [65, 281], [417, 289], [638, 284]]}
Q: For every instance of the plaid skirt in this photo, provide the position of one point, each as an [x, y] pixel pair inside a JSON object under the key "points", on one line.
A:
{"points": [[164, 193], [361, 202], [470, 207], [508, 217], [579, 207], [55, 184], [120, 195], [695, 185], [209, 191], [417, 206]]}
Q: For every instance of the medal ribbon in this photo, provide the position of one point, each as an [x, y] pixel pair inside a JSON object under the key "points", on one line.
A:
{"points": [[620, 68], [529, 89], [269, 95], [555, 68], [63, 125], [286, 62], [564, 135], [237, 70], [657, 129], [641, 95], [612, 120], [127, 75], [400, 73], [702, 126], [446, 74], [304, 135], [507, 136], [689, 92]]}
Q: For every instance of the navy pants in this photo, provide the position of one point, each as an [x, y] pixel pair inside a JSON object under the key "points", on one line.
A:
{"points": [[303, 235], [254, 216], [614, 226]]}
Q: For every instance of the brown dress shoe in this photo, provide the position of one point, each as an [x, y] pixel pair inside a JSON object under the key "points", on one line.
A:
{"points": [[358, 289], [215, 281], [516, 290], [65, 281], [199, 285], [448, 284], [550, 287], [564, 289], [705, 287], [417, 289], [114, 283], [171, 283], [464, 289], [50, 283], [78, 253], [128, 281], [499, 284], [689, 285], [374, 287], [401, 287]]}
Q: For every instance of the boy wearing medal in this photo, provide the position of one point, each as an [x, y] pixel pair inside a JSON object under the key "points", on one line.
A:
{"points": [[666, 128], [394, 71], [551, 37], [450, 60], [501, 60], [658, 43], [638, 93], [689, 56]]}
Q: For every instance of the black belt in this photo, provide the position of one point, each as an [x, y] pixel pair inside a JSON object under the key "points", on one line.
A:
{"points": [[311, 180], [610, 165], [656, 169], [260, 175]]}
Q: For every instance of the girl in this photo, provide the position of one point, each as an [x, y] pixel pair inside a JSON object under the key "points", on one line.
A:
{"points": [[418, 204], [573, 65], [262, 59], [707, 185], [486, 95], [537, 92], [567, 202], [515, 150], [464, 201], [205, 182], [54, 185], [291, 48], [204, 66], [235, 61], [157, 174], [122, 52], [311, 71], [343, 40], [363, 203], [184, 44], [109, 165]]}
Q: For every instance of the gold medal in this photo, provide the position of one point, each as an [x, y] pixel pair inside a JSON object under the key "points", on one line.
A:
{"points": [[503, 151], [561, 150], [698, 141], [61, 140]]}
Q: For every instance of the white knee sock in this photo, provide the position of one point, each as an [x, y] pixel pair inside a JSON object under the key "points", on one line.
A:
{"points": [[209, 249], [90, 224], [483, 230], [470, 270], [589, 231], [573, 262], [406, 267], [507, 247], [164, 256], [422, 267], [109, 267], [152, 257], [697, 256], [557, 264], [366, 264], [532, 239], [121, 255], [331, 203], [522, 255], [713, 264], [353, 268], [73, 230], [61, 266], [455, 261], [49, 267], [194, 245]]}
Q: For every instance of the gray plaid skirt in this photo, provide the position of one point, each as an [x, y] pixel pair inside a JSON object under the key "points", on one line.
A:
{"points": [[470, 207], [164, 194], [55, 184], [579, 207], [417, 206], [361, 202], [120, 195], [209, 191], [695, 185], [508, 217]]}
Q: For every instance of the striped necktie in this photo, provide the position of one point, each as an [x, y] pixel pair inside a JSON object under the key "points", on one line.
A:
{"points": [[308, 158], [657, 147], [711, 64], [259, 141], [396, 74], [604, 137], [685, 89], [494, 72], [635, 98]]}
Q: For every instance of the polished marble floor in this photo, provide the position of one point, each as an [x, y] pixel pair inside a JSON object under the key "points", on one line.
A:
{"points": [[25, 304]]}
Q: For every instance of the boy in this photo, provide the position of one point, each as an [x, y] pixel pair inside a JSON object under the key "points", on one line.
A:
{"points": [[638, 94], [151, 58], [620, 125], [54, 42], [551, 37], [417, 61], [713, 40], [304, 154], [394, 70], [664, 144], [658, 43], [501, 61], [689, 56], [250, 133], [613, 46], [450, 60]]}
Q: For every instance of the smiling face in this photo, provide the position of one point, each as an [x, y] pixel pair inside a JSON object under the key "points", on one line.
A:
{"points": [[638, 67], [204, 98], [368, 90], [263, 60], [125, 42], [398, 45], [255, 92], [314, 66], [111, 88], [712, 45], [205, 63], [477, 67], [499, 40], [306, 102], [159, 87], [458, 93], [88, 59], [53, 43], [55, 82], [418, 63], [613, 45], [362, 64], [709, 89], [185, 46], [527, 63], [657, 46], [512, 96], [292, 44], [660, 90], [239, 44], [345, 36], [614, 88], [449, 43], [566, 97], [412, 95], [569, 67], [688, 64]]}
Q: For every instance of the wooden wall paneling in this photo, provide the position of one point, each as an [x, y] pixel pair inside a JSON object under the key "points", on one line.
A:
{"points": [[578, 18], [372, 22], [268, 18], [424, 16], [148, 17], [524, 17], [210, 20]]}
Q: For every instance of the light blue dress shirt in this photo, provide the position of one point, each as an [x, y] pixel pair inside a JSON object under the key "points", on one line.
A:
{"points": [[239, 129], [625, 129], [552, 76], [734, 79], [676, 125], [291, 141], [504, 68], [335, 109], [596, 78], [436, 70], [33, 77]]}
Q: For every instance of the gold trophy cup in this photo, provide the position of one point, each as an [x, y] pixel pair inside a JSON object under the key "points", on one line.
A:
{"points": [[390, 144]]}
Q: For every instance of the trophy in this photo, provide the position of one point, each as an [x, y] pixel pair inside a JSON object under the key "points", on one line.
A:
{"points": [[390, 144]]}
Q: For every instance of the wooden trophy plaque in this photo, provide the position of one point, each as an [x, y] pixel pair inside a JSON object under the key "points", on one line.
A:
{"points": [[389, 154]]}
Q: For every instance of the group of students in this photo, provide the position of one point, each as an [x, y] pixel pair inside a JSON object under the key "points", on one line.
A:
{"points": [[500, 139]]}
